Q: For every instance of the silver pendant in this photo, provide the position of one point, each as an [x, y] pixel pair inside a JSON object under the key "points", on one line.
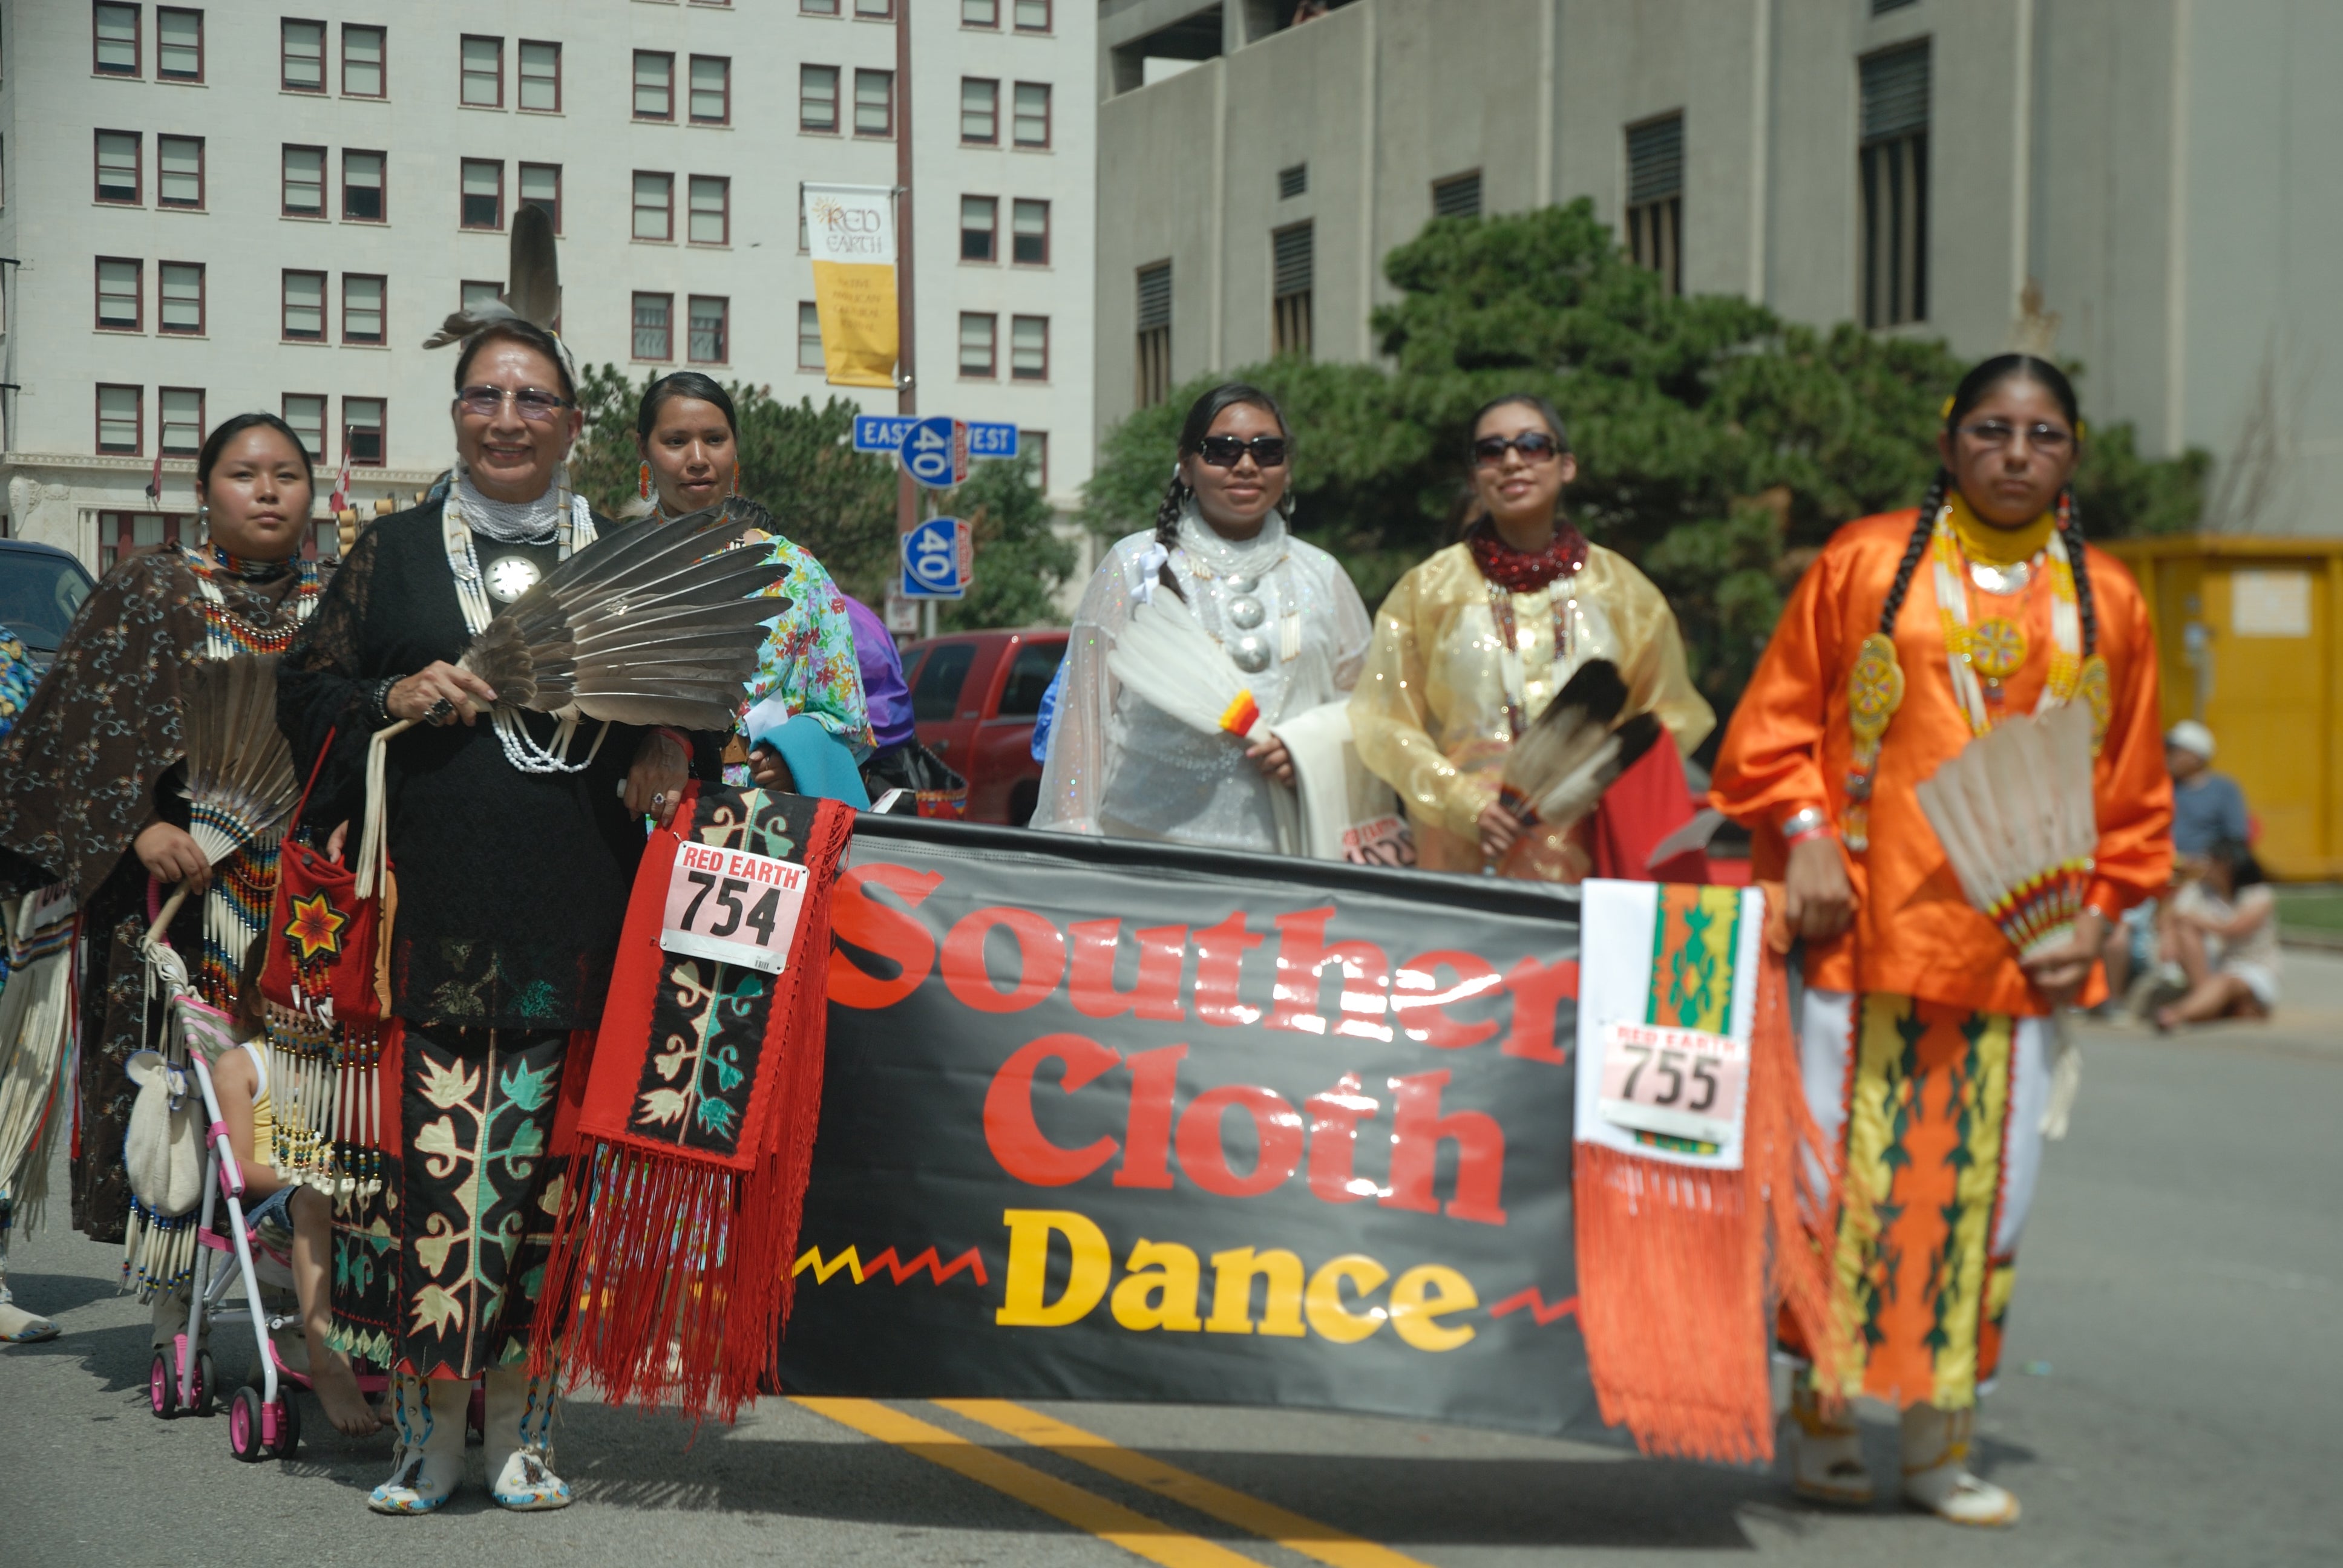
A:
{"points": [[1243, 582], [1250, 653], [509, 576], [1245, 613], [2002, 581]]}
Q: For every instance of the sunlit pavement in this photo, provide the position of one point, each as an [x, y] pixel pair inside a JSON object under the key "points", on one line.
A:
{"points": [[2170, 1397]]}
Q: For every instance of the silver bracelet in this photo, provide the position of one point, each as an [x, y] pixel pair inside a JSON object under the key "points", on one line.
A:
{"points": [[1807, 820]]}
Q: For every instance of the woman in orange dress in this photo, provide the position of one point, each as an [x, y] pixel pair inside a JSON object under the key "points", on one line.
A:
{"points": [[1925, 1038]]}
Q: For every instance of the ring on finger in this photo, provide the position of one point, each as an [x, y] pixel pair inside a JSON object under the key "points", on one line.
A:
{"points": [[439, 712]]}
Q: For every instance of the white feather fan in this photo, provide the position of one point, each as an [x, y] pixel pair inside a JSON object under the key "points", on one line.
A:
{"points": [[2014, 814], [240, 779], [1173, 662]]}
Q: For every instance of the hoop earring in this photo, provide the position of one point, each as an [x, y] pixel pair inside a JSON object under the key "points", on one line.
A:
{"points": [[643, 480]]}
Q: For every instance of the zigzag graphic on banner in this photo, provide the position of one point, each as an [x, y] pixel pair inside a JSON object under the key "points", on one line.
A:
{"points": [[1535, 1302], [972, 1261]]}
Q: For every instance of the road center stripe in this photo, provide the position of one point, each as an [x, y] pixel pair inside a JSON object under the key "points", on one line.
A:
{"points": [[1109, 1520], [1337, 1548]]}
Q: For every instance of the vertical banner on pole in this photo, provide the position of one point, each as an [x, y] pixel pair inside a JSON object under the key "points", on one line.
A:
{"points": [[850, 230]]}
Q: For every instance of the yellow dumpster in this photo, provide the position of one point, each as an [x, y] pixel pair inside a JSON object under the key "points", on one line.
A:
{"points": [[2246, 643]]}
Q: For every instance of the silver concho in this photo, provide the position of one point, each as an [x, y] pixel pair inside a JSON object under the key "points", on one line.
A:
{"points": [[1250, 653], [2005, 581], [1244, 614], [509, 576], [1243, 582]]}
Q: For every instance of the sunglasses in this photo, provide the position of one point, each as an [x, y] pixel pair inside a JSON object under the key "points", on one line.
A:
{"points": [[1224, 451], [534, 404], [1534, 446]]}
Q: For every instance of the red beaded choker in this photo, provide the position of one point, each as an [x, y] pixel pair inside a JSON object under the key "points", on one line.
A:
{"points": [[1522, 571]]}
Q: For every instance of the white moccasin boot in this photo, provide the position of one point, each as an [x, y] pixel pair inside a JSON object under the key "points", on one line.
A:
{"points": [[430, 1415], [1936, 1473], [1826, 1455], [519, 1442]]}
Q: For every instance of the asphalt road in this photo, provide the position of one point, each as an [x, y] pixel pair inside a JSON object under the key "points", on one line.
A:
{"points": [[2173, 1395]]}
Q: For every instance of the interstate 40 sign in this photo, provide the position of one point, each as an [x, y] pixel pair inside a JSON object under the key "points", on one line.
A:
{"points": [[935, 450]]}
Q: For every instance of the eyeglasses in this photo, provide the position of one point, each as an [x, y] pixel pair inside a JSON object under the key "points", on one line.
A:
{"points": [[1534, 446], [534, 404], [1224, 451], [1999, 433]]}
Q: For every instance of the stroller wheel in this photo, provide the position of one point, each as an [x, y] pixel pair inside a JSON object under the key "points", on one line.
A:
{"points": [[288, 1424], [163, 1386], [243, 1425], [206, 1398]]}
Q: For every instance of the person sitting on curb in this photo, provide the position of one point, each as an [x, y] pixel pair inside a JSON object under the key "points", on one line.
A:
{"points": [[2207, 808], [2222, 933]]}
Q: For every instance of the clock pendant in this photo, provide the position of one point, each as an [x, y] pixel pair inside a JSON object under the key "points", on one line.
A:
{"points": [[509, 576]]}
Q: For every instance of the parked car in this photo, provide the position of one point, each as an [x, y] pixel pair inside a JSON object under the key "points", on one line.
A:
{"points": [[974, 696], [41, 588]]}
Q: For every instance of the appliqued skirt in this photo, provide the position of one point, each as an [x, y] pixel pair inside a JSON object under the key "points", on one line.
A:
{"points": [[468, 1230], [1936, 1113]]}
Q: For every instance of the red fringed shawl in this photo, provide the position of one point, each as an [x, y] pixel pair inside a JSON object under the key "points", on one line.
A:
{"points": [[690, 1137]]}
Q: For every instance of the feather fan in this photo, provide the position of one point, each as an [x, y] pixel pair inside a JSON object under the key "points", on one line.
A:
{"points": [[652, 623], [1558, 769], [1170, 661], [240, 779], [2014, 814]]}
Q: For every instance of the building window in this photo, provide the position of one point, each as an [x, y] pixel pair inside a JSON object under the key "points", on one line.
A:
{"points": [[121, 419], [1459, 195], [540, 75], [180, 286], [1881, 7], [711, 210], [711, 90], [120, 533], [179, 44], [1030, 233], [1035, 444], [301, 56], [362, 63], [875, 10], [1292, 273], [121, 295], [362, 431], [362, 193], [120, 176], [1033, 15], [307, 414], [654, 323], [980, 13], [362, 307], [473, 293], [979, 109], [1293, 181], [116, 40], [483, 72], [654, 206], [179, 171], [1894, 169], [1032, 128], [1029, 348], [979, 219], [1655, 198], [817, 7], [483, 193], [809, 337], [1154, 335], [977, 334], [817, 97], [712, 335], [874, 102], [305, 182], [179, 421], [541, 187], [654, 85], [305, 307]]}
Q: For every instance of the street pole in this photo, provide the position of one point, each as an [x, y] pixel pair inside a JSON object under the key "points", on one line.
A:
{"points": [[907, 401]]}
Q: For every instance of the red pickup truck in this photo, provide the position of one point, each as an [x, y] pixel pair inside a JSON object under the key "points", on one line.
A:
{"points": [[974, 697]]}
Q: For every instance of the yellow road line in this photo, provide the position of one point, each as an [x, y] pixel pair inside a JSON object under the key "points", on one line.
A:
{"points": [[1337, 1548], [1109, 1520]]}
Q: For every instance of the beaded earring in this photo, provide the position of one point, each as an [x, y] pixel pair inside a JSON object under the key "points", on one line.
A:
{"points": [[643, 481], [735, 477]]}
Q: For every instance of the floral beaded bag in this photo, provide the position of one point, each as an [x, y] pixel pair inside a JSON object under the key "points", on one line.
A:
{"points": [[325, 926]]}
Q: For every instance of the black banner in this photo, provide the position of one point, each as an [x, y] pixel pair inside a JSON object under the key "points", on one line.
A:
{"points": [[1128, 1121]]}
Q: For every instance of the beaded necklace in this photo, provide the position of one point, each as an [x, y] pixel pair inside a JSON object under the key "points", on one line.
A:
{"points": [[226, 633]]}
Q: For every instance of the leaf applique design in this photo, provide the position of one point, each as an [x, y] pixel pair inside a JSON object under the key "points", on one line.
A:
{"points": [[661, 1106], [527, 1088], [670, 1062], [528, 1143], [438, 1141], [725, 1068], [717, 1117], [551, 1201], [447, 1089], [438, 1308], [439, 1240]]}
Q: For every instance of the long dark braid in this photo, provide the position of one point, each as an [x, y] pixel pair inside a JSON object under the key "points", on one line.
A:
{"points": [[1167, 527], [1917, 546], [2070, 528]]}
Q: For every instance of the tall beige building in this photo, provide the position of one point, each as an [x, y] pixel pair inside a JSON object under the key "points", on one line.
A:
{"points": [[2165, 168]]}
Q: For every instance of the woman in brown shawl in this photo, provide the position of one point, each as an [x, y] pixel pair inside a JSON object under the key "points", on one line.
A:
{"points": [[89, 776]]}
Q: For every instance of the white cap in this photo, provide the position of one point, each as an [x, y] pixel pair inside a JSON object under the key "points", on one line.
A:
{"points": [[2192, 737]]}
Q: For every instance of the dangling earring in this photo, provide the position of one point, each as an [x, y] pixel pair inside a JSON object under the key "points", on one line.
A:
{"points": [[643, 481], [736, 477]]}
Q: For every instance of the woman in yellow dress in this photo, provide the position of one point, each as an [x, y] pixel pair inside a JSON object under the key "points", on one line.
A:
{"points": [[1474, 642]]}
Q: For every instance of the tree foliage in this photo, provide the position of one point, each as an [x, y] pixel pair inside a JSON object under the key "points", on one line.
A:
{"points": [[1718, 443], [1020, 562]]}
